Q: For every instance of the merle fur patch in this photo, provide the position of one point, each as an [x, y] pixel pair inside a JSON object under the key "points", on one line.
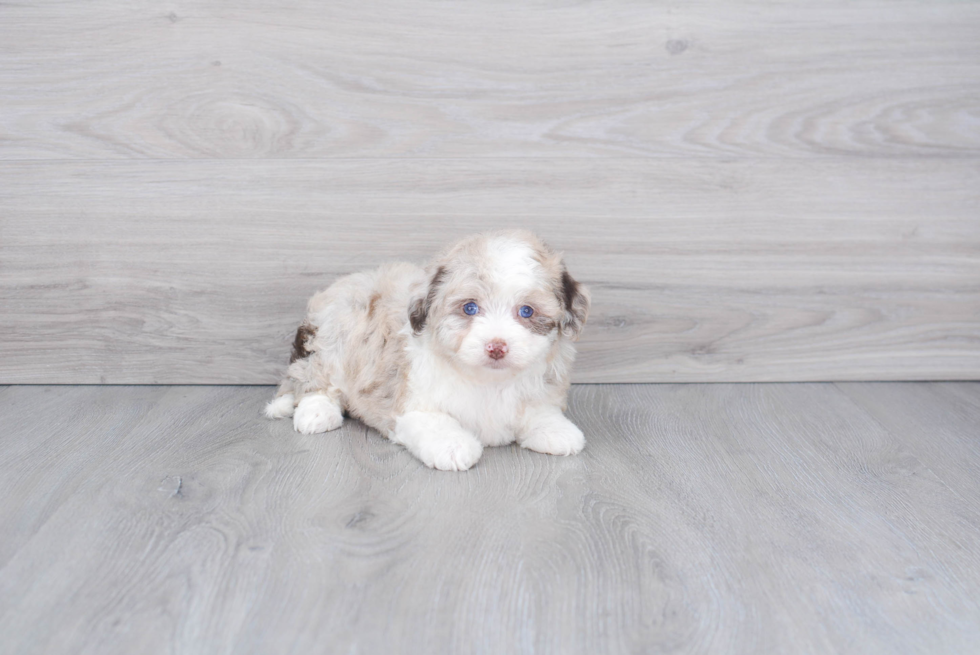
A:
{"points": [[304, 334], [419, 312]]}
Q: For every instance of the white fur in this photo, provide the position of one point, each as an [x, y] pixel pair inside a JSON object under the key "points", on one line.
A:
{"points": [[546, 430], [280, 407], [432, 384], [488, 403], [438, 440], [316, 413]]}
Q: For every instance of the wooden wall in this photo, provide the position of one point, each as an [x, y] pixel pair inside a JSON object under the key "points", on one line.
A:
{"points": [[753, 190]]}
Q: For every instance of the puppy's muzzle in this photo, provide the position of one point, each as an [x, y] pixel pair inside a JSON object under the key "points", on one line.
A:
{"points": [[497, 349]]}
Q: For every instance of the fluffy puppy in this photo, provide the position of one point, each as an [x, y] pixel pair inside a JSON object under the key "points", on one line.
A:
{"points": [[474, 350]]}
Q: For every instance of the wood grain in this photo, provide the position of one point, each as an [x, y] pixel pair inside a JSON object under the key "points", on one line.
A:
{"points": [[166, 272], [700, 518], [754, 191], [944, 411], [200, 79]]}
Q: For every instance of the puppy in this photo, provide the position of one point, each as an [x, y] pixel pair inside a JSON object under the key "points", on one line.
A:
{"points": [[475, 350]]}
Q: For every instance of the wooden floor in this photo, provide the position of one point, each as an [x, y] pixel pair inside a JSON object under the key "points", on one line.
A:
{"points": [[729, 518]]}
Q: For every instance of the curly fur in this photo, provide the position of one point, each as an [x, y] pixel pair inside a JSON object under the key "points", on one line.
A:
{"points": [[394, 348]]}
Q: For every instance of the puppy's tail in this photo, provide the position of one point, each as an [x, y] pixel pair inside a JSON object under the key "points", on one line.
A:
{"points": [[281, 407]]}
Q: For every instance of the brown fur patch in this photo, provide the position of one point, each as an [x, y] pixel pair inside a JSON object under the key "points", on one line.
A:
{"points": [[373, 304], [419, 311], [569, 289], [575, 301], [417, 315], [304, 333], [539, 324]]}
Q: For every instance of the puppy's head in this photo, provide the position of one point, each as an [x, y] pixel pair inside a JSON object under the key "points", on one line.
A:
{"points": [[499, 302]]}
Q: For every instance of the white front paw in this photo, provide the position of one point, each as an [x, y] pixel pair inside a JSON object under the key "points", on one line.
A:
{"points": [[557, 436], [450, 453], [317, 413], [438, 440]]}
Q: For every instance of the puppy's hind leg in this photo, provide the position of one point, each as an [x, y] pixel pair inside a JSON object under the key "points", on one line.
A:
{"points": [[280, 407], [300, 376], [283, 404], [318, 412]]}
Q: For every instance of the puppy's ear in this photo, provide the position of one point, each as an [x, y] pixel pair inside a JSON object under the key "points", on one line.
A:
{"points": [[575, 301], [418, 314], [418, 311]]}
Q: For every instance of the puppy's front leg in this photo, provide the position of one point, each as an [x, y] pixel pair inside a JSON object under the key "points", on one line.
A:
{"points": [[438, 440], [546, 430]]}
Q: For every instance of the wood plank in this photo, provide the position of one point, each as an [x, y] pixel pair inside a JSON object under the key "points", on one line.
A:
{"points": [[201, 79], [54, 440], [700, 518], [197, 272], [794, 484], [939, 422]]}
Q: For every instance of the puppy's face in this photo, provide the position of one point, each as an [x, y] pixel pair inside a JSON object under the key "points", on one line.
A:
{"points": [[497, 303]]}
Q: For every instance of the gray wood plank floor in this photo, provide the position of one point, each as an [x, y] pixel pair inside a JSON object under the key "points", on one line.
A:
{"points": [[737, 518]]}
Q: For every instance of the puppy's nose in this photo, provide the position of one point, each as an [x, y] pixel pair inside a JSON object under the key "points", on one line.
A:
{"points": [[496, 349]]}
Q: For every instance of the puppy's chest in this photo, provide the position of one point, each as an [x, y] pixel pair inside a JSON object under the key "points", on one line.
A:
{"points": [[491, 413]]}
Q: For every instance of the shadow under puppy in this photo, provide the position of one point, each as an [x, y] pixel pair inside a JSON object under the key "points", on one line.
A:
{"points": [[475, 350]]}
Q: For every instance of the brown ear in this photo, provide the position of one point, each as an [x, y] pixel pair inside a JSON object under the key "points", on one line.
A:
{"points": [[575, 301], [418, 311]]}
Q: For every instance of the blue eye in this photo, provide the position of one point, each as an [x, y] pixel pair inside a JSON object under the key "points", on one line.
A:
{"points": [[471, 308], [526, 311]]}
